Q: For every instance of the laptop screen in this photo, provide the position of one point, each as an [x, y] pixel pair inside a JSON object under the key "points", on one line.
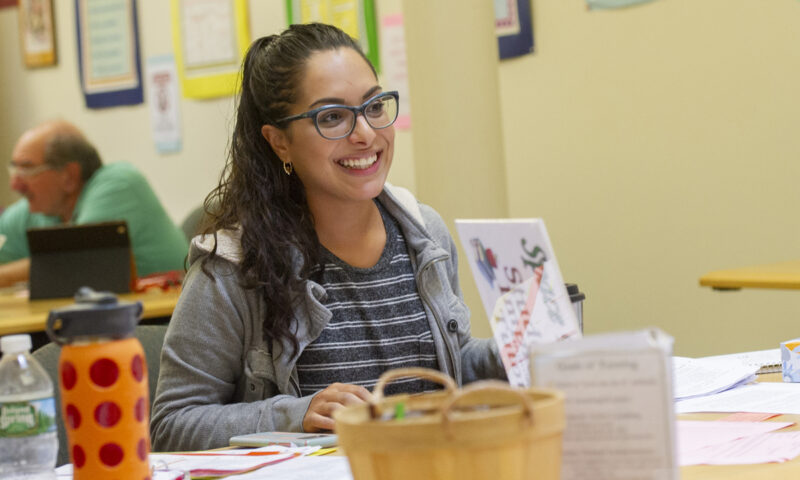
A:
{"points": [[67, 257]]}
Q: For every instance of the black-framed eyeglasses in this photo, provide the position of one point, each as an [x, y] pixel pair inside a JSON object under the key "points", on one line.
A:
{"points": [[338, 121]]}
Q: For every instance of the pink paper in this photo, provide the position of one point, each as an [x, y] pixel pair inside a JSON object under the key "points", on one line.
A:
{"points": [[729, 443]]}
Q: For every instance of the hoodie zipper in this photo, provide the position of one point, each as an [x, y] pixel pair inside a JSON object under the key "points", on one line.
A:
{"points": [[442, 329]]}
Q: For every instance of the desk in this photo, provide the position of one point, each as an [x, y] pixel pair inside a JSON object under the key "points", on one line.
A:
{"points": [[18, 315], [783, 275], [790, 469]]}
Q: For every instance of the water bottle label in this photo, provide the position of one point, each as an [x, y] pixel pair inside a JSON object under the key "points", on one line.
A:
{"points": [[25, 419]]}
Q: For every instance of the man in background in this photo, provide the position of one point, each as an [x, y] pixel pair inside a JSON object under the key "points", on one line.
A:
{"points": [[63, 181]]}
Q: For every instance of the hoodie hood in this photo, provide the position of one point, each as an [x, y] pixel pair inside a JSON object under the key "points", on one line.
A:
{"points": [[229, 245]]}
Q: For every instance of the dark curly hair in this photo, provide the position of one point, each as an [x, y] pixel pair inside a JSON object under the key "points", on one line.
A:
{"points": [[254, 194]]}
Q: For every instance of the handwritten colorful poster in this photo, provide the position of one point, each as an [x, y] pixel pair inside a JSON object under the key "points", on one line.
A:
{"points": [[521, 288], [108, 52]]}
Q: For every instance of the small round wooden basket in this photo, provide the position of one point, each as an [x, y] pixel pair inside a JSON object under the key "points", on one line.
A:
{"points": [[485, 431]]}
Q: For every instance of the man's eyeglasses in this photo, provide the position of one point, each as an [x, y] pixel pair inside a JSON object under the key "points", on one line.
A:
{"points": [[338, 121], [26, 171]]}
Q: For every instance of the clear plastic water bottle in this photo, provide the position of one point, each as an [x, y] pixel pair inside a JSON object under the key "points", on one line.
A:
{"points": [[28, 441]]}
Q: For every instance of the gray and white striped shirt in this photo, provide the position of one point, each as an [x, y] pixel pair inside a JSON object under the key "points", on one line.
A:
{"points": [[378, 322]]}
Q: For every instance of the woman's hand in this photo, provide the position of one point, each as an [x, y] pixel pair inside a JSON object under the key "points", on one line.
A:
{"points": [[320, 412]]}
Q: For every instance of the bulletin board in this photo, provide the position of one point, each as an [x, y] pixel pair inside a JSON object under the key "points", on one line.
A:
{"points": [[108, 52], [210, 38], [354, 17]]}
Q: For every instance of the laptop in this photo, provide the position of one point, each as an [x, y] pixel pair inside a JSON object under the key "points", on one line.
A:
{"points": [[67, 257]]}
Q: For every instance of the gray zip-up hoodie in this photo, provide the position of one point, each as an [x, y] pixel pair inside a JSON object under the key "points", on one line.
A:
{"points": [[218, 378]]}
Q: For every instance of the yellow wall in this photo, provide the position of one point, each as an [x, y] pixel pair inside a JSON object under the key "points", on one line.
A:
{"points": [[660, 142], [657, 142], [455, 105]]}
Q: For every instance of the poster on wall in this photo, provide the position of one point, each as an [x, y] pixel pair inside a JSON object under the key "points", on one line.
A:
{"points": [[395, 65], [164, 101], [210, 38], [354, 17], [37, 33], [108, 52], [512, 24]]}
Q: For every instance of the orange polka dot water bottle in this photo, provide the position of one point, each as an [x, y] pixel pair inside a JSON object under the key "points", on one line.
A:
{"points": [[103, 384]]}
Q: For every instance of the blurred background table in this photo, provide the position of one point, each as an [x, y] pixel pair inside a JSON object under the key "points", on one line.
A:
{"points": [[782, 275], [20, 315]]}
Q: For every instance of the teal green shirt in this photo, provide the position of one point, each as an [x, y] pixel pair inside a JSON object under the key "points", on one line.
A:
{"points": [[13, 222], [117, 191]]}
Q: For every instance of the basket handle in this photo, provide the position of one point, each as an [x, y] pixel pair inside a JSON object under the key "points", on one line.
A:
{"points": [[486, 386], [424, 373]]}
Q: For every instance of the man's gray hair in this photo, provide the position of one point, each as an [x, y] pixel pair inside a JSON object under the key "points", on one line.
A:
{"points": [[64, 147]]}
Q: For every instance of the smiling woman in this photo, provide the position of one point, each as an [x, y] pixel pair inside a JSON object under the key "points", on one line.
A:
{"points": [[314, 276]]}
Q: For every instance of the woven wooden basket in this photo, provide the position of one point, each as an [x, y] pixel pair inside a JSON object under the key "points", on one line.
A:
{"points": [[484, 431]]}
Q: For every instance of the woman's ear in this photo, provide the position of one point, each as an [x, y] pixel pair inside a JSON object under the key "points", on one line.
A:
{"points": [[278, 140]]}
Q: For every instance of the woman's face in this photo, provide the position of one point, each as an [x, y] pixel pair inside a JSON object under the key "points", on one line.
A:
{"points": [[353, 168]]}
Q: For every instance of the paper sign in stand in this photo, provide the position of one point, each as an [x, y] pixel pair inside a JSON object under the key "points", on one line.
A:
{"points": [[618, 404]]}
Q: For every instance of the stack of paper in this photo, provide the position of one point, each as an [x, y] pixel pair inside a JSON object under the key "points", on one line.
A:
{"points": [[766, 361], [695, 377], [759, 397]]}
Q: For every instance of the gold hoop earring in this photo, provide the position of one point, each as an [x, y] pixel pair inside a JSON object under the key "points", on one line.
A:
{"points": [[287, 167]]}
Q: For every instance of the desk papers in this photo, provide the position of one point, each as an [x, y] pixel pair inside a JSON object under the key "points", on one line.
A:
{"points": [[764, 397], [285, 463], [766, 361], [695, 377], [732, 443], [301, 468], [775, 447]]}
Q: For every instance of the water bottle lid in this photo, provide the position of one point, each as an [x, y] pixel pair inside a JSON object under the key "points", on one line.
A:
{"points": [[15, 343], [94, 314]]}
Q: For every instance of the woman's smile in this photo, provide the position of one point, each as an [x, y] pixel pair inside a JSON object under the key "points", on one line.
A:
{"points": [[362, 164]]}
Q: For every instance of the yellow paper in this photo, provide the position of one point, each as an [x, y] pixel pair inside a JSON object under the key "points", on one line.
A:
{"points": [[216, 75], [342, 13]]}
